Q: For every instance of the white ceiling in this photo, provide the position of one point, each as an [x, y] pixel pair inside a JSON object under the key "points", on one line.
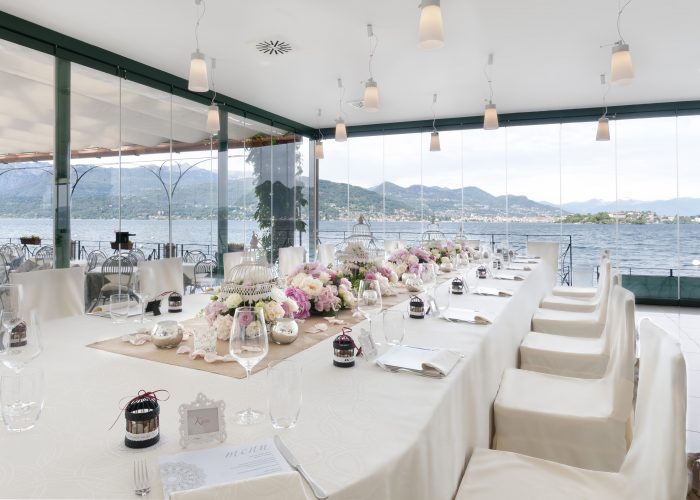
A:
{"points": [[547, 52]]}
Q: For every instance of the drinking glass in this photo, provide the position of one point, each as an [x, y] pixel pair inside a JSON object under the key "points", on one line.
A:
{"points": [[20, 337], [143, 299], [119, 307], [429, 276], [394, 326], [22, 398], [284, 384], [369, 299], [204, 337], [248, 346]]}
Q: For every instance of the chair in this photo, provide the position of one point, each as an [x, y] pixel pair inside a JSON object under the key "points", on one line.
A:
{"points": [[4, 272], [579, 304], [193, 256], [548, 252], [326, 254], [53, 293], [12, 252], [581, 292], [573, 356], [391, 245], [204, 275], [578, 422], [231, 259], [160, 276], [575, 324], [654, 468], [290, 258], [117, 272], [138, 255], [44, 257], [94, 259]]}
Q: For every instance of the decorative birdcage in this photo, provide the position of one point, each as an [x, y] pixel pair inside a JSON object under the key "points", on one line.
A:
{"points": [[360, 246], [432, 234], [461, 236], [254, 278]]}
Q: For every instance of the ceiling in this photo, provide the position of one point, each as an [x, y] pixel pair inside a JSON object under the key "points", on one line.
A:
{"points": [[547, 53]]}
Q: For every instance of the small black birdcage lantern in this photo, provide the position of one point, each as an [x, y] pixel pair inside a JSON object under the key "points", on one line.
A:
{"points": [[142, 421], [344, 349], [416, 308], [457, 286], [174, 303], [482, 272]]}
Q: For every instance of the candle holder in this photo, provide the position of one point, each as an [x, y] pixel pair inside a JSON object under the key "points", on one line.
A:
{"points": [[416, 308], [174, 303], [482, 272], [457, 286], [142, 421], [344, 349]]}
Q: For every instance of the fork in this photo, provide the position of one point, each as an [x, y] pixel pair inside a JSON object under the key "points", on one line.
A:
{"points": [[142, 485]]}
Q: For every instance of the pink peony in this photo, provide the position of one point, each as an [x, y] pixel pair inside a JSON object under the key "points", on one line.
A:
{"points": [[213, 310], [302, 301]]}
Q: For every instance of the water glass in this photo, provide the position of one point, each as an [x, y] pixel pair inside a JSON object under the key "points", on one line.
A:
{"points": [[284, 384], [20, 336], [204, 337], [394, 326], [119, 307], [248, 345], [22, 398]]}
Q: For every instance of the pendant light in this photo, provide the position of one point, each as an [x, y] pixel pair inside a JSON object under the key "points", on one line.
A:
{"points": [[318, 147], [213, 124], [603, 130], [370, 102], [621, 69], [198, 79], [434, 135], [341, 133], [430, 34], [490, 113]]}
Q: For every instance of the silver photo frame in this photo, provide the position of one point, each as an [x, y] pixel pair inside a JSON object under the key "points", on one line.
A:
{"points": [[202, 420]]}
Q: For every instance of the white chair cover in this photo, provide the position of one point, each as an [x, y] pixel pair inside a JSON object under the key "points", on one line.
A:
{"points": [[53, 293], [163, 275], [288, 486], [473, 244], [581, 292], [290, 258], [391, 245], [231, 259], [575, 324], [578, 422], [547, 251], [326, 254], [579, 304], [573, 356], [654, 467]]}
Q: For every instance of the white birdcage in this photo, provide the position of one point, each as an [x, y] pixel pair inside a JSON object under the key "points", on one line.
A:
{"points": [[432, 234], [360, 246], [254, 278]]}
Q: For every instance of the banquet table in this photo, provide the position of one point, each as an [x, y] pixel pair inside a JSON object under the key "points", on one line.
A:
{"points": [[362, 432]]}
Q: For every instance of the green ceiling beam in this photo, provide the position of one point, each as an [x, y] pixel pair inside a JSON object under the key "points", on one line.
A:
{"points": [[28, 34]]}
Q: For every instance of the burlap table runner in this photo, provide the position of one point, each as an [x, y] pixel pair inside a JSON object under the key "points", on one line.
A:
{"points": [[232, 369]]}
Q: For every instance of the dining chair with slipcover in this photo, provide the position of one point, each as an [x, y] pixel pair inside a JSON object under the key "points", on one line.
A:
{"points": [[52, 293]]}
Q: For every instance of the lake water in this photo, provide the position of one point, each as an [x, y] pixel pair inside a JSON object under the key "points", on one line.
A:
{"points": [[652, 248]]}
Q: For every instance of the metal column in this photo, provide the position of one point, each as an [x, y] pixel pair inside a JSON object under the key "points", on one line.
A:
{"points": [[313, 201], [222, 199], [61, 165]]}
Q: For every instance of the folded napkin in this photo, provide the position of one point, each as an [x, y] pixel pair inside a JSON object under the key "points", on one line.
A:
{"points": [[519, 268], [511, 277], [464, 315], [287, 485], [420, 360], [525, 261], [495, 292]]}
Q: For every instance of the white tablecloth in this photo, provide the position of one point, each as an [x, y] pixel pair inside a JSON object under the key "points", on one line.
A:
{"points": [[363, 433]]}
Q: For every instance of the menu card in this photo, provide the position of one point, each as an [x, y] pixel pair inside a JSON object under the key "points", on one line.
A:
{"points": [[220, 465]]}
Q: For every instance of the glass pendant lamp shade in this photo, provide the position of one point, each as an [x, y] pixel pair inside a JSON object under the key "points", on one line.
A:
{"points": [[621, 70], [213, 119], [318, 150], [430, 34], [341, 133], [199, 80], [603, 132], [370, 102], [490, 117], [435, 141]]}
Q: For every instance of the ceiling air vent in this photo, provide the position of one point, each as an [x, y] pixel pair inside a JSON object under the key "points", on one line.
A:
{"points": [[274, 47]]}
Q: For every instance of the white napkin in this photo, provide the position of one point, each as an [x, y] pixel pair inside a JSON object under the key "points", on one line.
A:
{"points": [[519, 268], [524, 261], [421, 360], [511, 277], [495, 292], [465, 315]]}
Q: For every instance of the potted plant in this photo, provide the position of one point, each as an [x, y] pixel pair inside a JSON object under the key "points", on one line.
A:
{"points": [[235, 247], [30, 240]]}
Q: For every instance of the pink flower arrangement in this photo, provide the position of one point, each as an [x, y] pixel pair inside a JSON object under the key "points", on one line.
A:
{"points": [[407, 259], [300, 298], [325, 290]]}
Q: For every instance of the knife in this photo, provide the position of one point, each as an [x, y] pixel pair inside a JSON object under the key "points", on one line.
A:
{"points": [[294, 463]]}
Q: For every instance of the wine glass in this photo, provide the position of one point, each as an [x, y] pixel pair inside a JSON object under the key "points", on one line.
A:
{"points": [[369, 299], [248, 346], [20, 337], [143, 299], [428, 276]]}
